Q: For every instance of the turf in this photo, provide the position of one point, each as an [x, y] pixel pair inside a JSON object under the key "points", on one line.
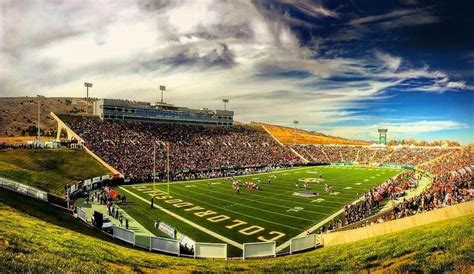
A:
{"points": [[35, 239], [252, 215], [49, 169]]}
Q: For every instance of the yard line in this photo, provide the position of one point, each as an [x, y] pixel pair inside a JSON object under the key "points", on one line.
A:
{"points": [[244, 205], [318, 225], [243, 214], [203, 229], [257, 201], [237, 176]]}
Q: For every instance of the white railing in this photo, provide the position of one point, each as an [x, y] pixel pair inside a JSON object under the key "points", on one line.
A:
{"points": [[164, 245], [303, 243], [81, 214], [210, 250], [23, 189], [124, 234], [259, 249]]}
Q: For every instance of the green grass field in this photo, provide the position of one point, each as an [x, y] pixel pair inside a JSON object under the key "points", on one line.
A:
{"points": [[270, 214], [35, 238], [49, 169]]}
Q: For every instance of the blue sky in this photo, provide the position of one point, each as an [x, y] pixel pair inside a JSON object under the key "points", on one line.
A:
{"points": [[338, 67]]}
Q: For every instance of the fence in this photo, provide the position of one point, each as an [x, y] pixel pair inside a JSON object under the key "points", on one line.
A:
{"points": [[259, 249], [303, 243], [24, 189], [81, 214], [124, 234], [164, 245], [210, 250]]}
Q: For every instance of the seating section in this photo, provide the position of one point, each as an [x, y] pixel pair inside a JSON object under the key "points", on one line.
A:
{"points": [[408, 156], [128, 147]]}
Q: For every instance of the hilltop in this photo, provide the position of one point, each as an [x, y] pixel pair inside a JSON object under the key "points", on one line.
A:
{"points": [[19, 115]]}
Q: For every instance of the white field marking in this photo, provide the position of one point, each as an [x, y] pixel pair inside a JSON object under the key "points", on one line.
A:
{"points": [[215, 183], [203, 229], [285, 190], [190, 186], [259, 201], [348, 187], [333, 200], [359, 183], [244, 205], [242, 214], [223, 178], [323, 222]]}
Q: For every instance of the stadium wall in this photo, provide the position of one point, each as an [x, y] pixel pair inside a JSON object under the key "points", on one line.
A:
{"points": [[342, 237], [71, 133]]}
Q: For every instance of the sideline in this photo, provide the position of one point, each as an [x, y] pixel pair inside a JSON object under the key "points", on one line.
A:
{"points": [[318, 225], [205, 230]]}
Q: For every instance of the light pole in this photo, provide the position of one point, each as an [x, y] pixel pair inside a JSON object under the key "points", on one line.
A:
{"points": [[225, 102], [294, 132], [162, 88], [87, 85], [39, 117]]}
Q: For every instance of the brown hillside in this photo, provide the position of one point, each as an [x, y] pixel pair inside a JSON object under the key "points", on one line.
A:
{"points": [[18, 115], [287, 135]]}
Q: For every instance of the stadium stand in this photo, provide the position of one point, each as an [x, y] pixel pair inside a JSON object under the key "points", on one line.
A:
{"points": [[403, 156], [202, 151]]}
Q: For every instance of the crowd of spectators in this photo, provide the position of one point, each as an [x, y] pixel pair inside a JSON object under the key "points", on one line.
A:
{"points": [[392, 188], [455, 160], [451, 186], [202, 151], [405, 156]]}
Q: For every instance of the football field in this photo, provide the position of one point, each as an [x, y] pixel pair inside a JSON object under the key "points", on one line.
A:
{"points": [[212, 211]]}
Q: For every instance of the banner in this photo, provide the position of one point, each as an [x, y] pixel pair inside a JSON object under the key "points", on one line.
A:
{"points": [[167, 229]]}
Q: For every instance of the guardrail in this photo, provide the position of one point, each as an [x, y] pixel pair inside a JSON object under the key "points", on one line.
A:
{"points": [[207, 250], [23, 189], [123, 234]]}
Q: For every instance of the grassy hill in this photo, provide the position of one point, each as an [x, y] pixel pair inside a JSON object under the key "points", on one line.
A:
{"points": [[49, 169], [45, 240], [19, 114], [288, 135]]}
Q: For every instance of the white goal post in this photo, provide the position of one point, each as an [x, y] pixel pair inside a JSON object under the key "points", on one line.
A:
{"points": [[259, 249], [164, 245], [210, 250]]}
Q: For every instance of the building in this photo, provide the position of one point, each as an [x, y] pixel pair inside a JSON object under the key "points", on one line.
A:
{"points": [[124, 110]]}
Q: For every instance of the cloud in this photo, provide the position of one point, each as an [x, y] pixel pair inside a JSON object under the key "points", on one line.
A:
{"points": [[398, 130], [203, 51], [390, 61], [310, 8]]}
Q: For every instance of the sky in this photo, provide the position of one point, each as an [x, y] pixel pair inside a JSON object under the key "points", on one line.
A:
{"points": [[343, 68]]}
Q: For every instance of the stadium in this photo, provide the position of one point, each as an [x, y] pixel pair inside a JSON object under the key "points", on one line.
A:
{"points": [[167, 180]]}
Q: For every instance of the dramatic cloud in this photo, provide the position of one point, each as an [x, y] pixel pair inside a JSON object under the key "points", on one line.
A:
{"points": [[277, 61]]}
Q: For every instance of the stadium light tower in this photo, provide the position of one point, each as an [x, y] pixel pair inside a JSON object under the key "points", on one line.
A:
{"points": [[162, 88], [294, 132], [39, 117], [87, 85], [225, 103]]}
